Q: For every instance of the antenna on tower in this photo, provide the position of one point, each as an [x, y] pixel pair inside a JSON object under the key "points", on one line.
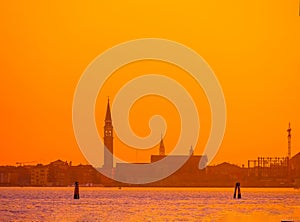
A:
{"points": [[289, 140]]}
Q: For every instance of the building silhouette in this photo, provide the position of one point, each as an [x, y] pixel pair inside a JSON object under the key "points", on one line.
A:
{"points": [[269, 169], [263, 172], [162, 150], [108, 140], [39, 175]]}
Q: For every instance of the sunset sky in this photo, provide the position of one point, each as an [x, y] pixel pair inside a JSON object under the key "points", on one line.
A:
{"points": [[252, 46]]}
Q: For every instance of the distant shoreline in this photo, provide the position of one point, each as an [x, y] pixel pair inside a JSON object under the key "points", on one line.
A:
{"points": [[83, 186]]}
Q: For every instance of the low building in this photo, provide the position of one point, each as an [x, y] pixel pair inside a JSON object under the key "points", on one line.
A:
{"points": [[86, 175], [8, 176], [39, 175], [59, 173], [295, 166]]}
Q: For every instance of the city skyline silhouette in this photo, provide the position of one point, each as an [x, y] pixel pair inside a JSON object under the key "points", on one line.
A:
{"points": [[190, 83]]}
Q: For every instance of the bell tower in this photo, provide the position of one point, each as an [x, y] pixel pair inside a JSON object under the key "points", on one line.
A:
{"points": [[108, 139]]}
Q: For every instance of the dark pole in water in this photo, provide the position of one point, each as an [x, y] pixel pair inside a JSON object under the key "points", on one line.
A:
{"points": [[237, 188], [76, 190]]}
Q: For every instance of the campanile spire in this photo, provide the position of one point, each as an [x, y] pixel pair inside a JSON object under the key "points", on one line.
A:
{"points": [[161, 147], [108, 139], [108, 114]]}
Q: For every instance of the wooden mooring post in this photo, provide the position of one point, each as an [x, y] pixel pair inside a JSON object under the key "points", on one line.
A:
{"points": [[238, 189]]}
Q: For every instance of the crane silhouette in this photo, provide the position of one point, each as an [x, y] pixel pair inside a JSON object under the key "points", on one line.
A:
{"points": [[22, 163]]}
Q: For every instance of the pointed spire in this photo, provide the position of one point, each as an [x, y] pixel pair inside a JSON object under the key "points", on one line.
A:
{"points": [[191, 151], [161, 147], [108, 114]]}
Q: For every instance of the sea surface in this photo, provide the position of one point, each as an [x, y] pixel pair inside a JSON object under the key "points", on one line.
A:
{"points": [[149, 204]]}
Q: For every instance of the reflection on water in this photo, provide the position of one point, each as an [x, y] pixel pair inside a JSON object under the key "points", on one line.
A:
{"points": [[148, 204]]}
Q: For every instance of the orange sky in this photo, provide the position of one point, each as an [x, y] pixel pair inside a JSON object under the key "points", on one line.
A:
{"points": [[252, 46]]}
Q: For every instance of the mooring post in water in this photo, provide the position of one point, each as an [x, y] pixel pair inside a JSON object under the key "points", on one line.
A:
{"points": [[76, 190], [238, 189]]}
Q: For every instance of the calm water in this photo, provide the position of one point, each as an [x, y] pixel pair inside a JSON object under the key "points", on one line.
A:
{"points": [[148, 204]]}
